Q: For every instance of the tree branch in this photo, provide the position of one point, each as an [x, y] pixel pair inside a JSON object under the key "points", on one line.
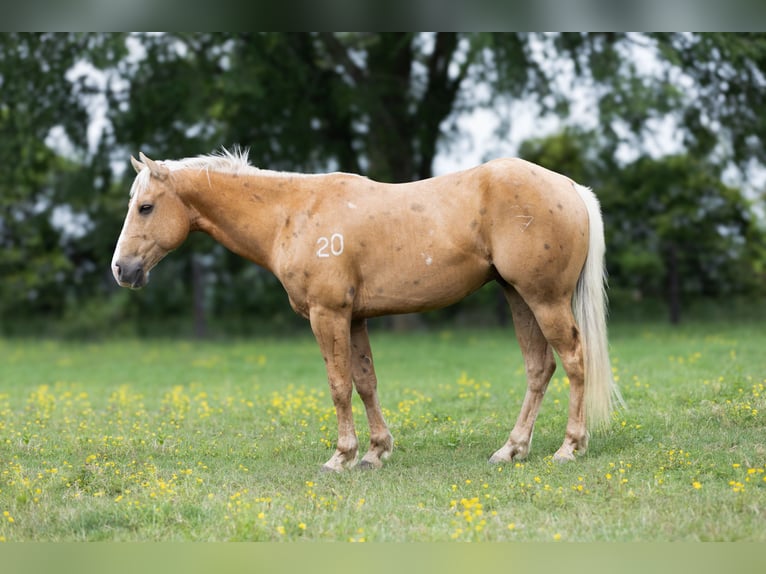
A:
{"points": [[340, 55]]}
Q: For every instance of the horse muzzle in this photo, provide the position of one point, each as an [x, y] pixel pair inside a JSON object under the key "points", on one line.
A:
{"points": [[130, 273]]}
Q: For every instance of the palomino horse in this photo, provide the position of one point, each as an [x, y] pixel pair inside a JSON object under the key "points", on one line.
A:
{"points": [[346, 248]]}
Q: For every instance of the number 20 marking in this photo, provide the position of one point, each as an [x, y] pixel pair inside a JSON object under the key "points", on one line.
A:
{"points": [[331, 246]]}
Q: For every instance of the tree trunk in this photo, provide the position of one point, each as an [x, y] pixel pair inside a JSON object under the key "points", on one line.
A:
{"points": [[674, 285], [198, 291]]}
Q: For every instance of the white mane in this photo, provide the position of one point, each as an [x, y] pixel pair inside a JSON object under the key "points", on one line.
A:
{"points": [[234, 162], [224, 161]]}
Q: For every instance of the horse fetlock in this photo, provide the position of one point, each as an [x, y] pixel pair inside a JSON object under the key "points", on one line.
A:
{"points": [[380, 450], [573, 445], [384, 445]]}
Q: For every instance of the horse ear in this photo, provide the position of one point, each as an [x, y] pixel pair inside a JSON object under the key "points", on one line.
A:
{"points": [[137, 165], [157, 170]]}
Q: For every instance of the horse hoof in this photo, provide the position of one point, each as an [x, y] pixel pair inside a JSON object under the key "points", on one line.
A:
{"points": [[562, 458], [367, 465]]}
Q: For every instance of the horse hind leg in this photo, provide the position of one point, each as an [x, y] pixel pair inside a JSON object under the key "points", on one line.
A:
{"points": [[558, 324], [366, 383], [540, 364]]}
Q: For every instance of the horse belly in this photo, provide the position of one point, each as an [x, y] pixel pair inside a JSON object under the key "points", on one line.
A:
{"points": [[422, 285]]}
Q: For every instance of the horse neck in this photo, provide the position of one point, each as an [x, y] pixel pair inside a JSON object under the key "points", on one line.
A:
{"points": [[242, 211]]}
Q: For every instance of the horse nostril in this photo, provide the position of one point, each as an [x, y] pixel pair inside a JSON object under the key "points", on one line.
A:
{"points": [[129, 273]]}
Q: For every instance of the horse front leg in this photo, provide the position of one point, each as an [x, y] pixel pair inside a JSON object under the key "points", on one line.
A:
{"points": [[333, 333], [366, 383]]}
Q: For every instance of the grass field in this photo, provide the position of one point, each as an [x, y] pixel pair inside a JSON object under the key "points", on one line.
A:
{"points": [[167, 440]]}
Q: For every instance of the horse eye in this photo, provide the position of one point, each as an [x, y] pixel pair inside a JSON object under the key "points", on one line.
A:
{"points": [[145, 209]]}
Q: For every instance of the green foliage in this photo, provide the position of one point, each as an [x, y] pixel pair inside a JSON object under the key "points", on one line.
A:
{"points": [[728, 95], [379, 104], [670, 221], [30, 262]]}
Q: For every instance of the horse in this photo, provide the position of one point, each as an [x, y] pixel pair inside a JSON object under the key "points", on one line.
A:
{"points": [[347, 248]]}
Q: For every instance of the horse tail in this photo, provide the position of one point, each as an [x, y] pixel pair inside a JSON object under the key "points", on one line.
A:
{"points": [[590, 309]]}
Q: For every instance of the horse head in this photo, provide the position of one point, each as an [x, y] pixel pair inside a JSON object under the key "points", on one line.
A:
{"points": [[157, 223]]}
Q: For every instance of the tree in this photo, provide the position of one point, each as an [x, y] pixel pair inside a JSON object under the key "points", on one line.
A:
{"points": [[674, 229], [378, 104], [36, 97]]}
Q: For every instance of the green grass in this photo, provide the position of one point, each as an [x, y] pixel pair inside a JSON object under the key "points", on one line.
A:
{"points": [[167, 440]]}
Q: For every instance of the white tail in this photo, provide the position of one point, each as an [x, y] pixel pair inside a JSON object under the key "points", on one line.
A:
{"points": [[589, 306]]}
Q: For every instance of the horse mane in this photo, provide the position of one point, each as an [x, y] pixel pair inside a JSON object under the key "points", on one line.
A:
{"points": [[223, 161], [233, 162]]}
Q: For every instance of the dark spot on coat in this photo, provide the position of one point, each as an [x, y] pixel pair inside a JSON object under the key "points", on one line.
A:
{"points": [[561, 207], [418, 207], [547, 247], [575, 333], [483, 211], [351, 292], [474, 224]]}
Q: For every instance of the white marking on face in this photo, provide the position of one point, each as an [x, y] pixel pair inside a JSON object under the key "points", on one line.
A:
{"points": [[427, 258], [351, 205]]}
